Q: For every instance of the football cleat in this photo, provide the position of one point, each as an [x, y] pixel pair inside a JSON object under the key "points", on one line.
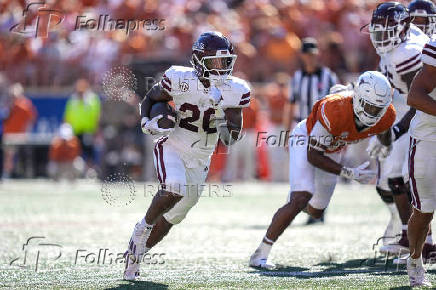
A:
{"points": [[397, 248], [262, 263], [135, 251], [417, 275], [256, 261], [131, 270]]}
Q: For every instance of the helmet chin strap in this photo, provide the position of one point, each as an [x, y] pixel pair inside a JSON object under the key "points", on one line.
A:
{"points": [[359, 125]]}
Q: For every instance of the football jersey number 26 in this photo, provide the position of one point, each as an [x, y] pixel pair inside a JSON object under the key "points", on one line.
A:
{"points": [[186, 123]]}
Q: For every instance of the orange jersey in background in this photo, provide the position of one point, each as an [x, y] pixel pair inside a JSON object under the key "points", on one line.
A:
{"points": [[249, 114], [22, 115], [276, 105], [336, 114], [62, 150]]}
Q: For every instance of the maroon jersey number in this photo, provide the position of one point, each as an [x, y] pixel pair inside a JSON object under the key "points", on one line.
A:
{"points": [[186, 123]]}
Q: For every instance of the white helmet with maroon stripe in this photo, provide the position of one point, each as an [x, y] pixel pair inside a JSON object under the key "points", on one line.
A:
{"points": [[372, 97]]}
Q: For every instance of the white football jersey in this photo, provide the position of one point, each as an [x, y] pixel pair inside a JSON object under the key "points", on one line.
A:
{"points": [[195, 134], [401, 60], [423, 126]]}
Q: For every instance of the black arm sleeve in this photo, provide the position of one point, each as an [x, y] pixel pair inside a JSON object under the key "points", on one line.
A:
{"points": [[403, 125]]}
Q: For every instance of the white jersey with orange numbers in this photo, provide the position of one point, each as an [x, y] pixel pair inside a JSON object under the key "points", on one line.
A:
{"points": [[195, 134], [401, 60], [423, 126]]}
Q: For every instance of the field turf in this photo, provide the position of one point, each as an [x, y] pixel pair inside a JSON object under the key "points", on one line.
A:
{"points": [[208, 250]]}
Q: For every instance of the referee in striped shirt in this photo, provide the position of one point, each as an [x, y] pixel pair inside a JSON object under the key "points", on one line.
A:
{"points": [[308, 85]]}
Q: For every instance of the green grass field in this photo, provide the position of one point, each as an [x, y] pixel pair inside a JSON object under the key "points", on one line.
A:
{"points": [[209, 249]]}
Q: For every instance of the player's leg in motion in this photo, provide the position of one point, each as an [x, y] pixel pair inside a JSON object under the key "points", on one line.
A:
{"points": [[391, 185], [312, 190], [169, 206], [280, 221], [422, 165], [390, 233]]}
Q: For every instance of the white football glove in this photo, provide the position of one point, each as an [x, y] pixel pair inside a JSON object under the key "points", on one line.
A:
{"points": [[338, 88], [376, 150], [150, 126], [360, 174]]}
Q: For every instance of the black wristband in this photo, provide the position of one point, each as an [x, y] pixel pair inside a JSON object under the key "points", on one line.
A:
{"points": [[398, 131]]}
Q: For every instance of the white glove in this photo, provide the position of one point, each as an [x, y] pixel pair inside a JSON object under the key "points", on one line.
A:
{"points": [[359, 173], [341, 88], [376, 150], [215, 98], [150, 127], [338, 88]]}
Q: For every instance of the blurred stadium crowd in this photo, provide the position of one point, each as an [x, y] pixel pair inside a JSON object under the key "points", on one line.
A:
{"points": [[266, 33]]}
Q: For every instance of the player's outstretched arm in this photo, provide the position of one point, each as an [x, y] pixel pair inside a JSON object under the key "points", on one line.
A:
{"points": [[422, 86], [154, 95], [317, 158], [319, 139]]}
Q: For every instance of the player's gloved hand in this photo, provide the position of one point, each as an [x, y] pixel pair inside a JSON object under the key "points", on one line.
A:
{"points": [[337, 89], [150, 126], [359, 173], [376, 150]]}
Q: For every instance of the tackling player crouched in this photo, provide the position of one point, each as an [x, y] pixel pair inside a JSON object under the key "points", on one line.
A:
{"points": [[335, 121], [208, 102]]}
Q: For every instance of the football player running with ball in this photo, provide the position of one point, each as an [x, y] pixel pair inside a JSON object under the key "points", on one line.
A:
{"points": [[208, 102], [316, 146]]}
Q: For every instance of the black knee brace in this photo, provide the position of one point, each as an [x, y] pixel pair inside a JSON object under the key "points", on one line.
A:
{"points": [[385, 195], [409, 194], [397, 185]]}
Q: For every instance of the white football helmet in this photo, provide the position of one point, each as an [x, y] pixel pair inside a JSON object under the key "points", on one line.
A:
{"points": [[372, 97]]}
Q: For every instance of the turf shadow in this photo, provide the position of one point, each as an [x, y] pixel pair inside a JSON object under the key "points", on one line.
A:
{"points": [[378, 266], [139, 285]]}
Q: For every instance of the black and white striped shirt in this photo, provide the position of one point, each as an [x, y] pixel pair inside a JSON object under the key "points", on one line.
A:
{"points": [[308, 88]]}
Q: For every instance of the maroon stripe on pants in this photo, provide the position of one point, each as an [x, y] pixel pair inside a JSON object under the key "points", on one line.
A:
{"points": [[164, 173], [412, 173], [409, 161], [157, 164]]}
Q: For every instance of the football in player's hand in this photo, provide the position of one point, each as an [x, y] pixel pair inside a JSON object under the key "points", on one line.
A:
{"points": [[169, 115]]}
